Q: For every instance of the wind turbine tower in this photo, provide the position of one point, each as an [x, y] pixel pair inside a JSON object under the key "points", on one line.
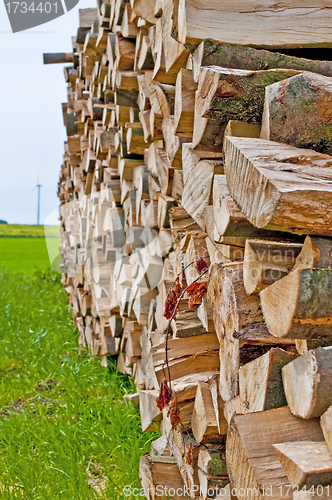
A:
{"points": [[38, 204]]}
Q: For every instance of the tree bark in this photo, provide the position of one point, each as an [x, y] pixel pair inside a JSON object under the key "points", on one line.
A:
{"points": [[298, 306], [227, 55], [298, 111], [228, 94]]}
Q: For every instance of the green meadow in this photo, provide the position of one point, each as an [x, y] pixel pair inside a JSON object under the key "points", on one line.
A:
{"points": [[24, 248], [65, 430], [27, 231]]}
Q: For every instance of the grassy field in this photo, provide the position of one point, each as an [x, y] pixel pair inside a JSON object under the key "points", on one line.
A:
{"points": [[25, 254], [23, 248], [27, 231], [65, 431]]}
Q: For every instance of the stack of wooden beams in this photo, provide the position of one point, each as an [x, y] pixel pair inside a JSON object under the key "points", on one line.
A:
{"points": [[198, 156]]}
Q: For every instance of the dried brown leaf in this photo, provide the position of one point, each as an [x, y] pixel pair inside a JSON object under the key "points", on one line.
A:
{"points": [[195, 291], [172, 299], [189, 457], [201, 265], [174, 413], [165, 395]]}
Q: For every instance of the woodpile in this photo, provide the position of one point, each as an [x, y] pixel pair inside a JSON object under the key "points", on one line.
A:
{"points": [[196, 225]]}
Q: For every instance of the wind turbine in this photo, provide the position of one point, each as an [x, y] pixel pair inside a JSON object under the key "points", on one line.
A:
{"points": [[38, 186]]}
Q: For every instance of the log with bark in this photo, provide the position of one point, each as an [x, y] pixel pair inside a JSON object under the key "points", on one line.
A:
{"points": [[227, 55], [227, 94], [250, 454], [297, 111], [298, 306]]}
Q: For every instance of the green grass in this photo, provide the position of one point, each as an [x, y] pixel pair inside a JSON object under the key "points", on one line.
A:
{"points": [[25, 248], [28, 231], [26, 254], [63, 424]]}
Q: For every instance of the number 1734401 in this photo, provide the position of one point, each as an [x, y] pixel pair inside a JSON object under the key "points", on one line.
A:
{"points": [[24, 7]]}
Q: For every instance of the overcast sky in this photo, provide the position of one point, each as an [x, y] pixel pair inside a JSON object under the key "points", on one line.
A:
{"points": [[32, 131]]}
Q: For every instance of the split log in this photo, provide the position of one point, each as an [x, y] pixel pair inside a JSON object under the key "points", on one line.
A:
{"points": [[165, 203], [162, 98], [135, 141], [184, 108], [212, 461], [298, 306], [185, 387], [145, 9], [174, 54], [186, 409], [260, 381], [128, 30], [190, 365], [232, 309], [306, 463], [161, 474], [298, 110], [178, 348], [229, 220], [250, 454], [145, 60], [208, 134], [58, 58], [143, 92], [185, 451], [316, 253], [205, 421], [87, 17], [177, 185], [326, 424], [149, 412], [237, 128], [313, 494], [307, 383], [269, 182], [127, 80], [224, 94], [198, 186], [259, 375], [164, 171], [125, 54], [266, 262], [212, 471], [133, 348], [147, 362], [254, 25], [241, 57], [187, 323], [173, 143]]}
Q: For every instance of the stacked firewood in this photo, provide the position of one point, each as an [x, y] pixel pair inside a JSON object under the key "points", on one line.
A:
{"points": [[196, 217]]}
